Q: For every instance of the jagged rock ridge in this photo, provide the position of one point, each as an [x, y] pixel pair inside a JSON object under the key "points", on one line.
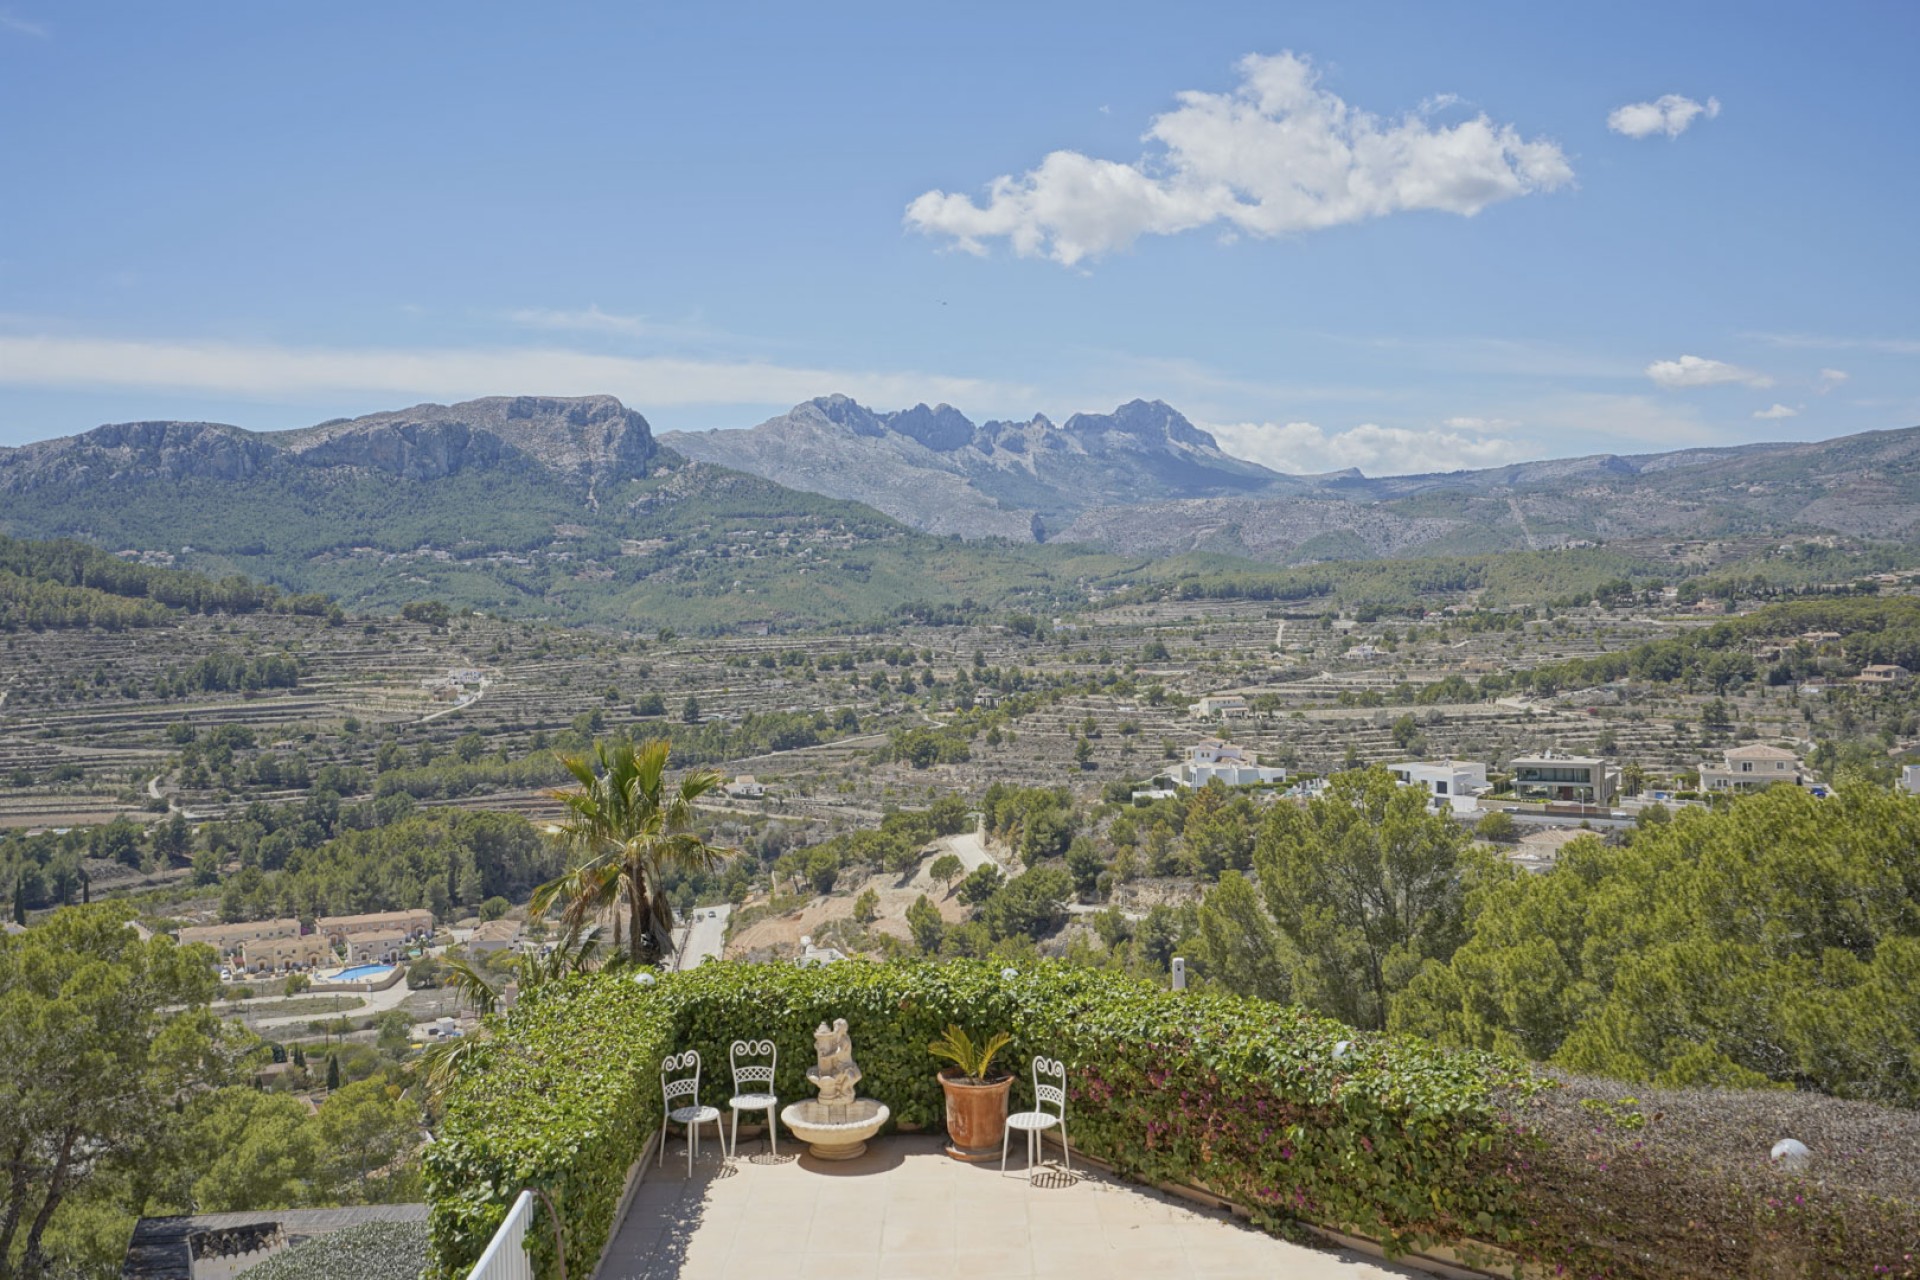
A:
{"points": [[580, 440], [933, 467]]}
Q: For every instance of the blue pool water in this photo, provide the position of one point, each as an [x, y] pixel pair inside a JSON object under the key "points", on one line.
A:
{"points": [[361, 973]]}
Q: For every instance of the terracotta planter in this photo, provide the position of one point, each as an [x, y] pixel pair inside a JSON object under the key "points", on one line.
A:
{"points": [[976, 1115]]}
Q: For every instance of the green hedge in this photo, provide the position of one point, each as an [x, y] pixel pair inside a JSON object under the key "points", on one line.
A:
{"points": [[1390, 1138], [1393, 1138]]}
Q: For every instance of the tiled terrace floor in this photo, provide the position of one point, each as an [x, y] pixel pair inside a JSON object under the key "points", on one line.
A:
{"points": [[905, 1211]]}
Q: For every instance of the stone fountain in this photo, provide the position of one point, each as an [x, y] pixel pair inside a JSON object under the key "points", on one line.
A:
{"points": [[835, 1125]]}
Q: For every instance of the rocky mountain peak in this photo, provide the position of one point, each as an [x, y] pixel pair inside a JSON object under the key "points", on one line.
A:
{"points": [[1150, 422], [843, 411], [580, 439], [942, 428]]}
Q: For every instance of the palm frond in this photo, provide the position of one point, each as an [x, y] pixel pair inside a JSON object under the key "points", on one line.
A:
{"points": [[474, 990]]}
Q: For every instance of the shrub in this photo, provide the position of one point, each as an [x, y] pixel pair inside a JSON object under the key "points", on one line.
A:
{"points": [[370, 1251], [1628, 1181]]}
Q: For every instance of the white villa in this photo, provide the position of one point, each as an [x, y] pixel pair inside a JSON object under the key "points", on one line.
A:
{"points": [[1751, 768], [1451, 783], [1212, 758]]}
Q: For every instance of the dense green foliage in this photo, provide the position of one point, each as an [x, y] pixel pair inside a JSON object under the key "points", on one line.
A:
{"points": [[440, 859], [1511, 578], [1036, 822], [1720, 657], [71, 584], [1778, 941], [99, 1032], [122, 1094], [1366, 884], [370, 1251], [697, 547]]}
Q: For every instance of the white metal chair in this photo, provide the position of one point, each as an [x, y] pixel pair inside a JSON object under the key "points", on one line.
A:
{"points": [[753, 1086], [690, 1112], [1038, 1120]]}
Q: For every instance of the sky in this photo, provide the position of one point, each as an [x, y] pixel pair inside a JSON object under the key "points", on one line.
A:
{"points": [[1402, 237]]}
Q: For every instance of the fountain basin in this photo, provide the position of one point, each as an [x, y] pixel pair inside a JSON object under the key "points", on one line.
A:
{"points": [[835, 1132]]}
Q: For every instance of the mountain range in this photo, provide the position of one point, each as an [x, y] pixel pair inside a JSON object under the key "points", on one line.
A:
{"points": [[1145, 481], [833, 511], [1025, 481], [535, 506]]}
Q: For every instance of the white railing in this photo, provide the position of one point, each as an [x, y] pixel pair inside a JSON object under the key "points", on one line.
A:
{"points": [[506, 1255]]}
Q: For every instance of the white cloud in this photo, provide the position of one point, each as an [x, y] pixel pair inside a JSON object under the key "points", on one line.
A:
{"points": [[289, 373], [1479, 424], [593, 320], [1301, 448], [24, 26], [1831, 378], [1275, 155], [1776, 411], [1670, 114], [1840, 342], [1698, 371]]}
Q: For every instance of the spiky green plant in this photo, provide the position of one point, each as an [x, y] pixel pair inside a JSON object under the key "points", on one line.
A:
{"points": [[975, 1060], [628, 827]]}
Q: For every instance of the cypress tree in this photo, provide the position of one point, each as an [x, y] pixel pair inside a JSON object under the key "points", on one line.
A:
{"points": [[333, 1073]]}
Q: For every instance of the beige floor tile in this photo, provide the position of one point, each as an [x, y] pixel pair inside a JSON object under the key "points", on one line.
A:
{"points": [[835, 1232], [1064, 1211], [1079, 1267], [995, 1263], [928, 1230], [922, 1266], [838, 1266]]}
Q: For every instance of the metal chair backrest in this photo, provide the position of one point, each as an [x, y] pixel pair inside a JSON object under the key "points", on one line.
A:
{"points": [[685, 1086], [753, 1072], [1050, 1093]]}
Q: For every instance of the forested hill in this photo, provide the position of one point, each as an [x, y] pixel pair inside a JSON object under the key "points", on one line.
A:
{"points": [[558, 509], [66, 583]]}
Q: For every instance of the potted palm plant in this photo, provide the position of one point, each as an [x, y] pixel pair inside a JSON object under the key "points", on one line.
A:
{"points": [[976, 1094]]}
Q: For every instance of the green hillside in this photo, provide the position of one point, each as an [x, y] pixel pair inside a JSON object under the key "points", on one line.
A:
{"points": [[689, 546]]}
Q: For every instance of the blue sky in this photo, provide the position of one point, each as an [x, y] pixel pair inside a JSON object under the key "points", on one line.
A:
{"points": [[1397, 236]]}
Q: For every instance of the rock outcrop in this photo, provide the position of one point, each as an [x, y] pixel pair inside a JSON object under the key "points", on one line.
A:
{"points": [[592, 438]]}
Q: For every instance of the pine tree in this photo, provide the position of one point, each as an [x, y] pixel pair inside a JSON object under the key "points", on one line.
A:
{"points": [[299, 1057], [333, 1072]]}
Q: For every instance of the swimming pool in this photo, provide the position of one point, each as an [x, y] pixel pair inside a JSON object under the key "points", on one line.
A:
{"points": [[361, 973]]}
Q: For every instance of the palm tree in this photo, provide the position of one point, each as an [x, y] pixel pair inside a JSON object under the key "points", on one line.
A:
{"points": [[628, 829]]}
